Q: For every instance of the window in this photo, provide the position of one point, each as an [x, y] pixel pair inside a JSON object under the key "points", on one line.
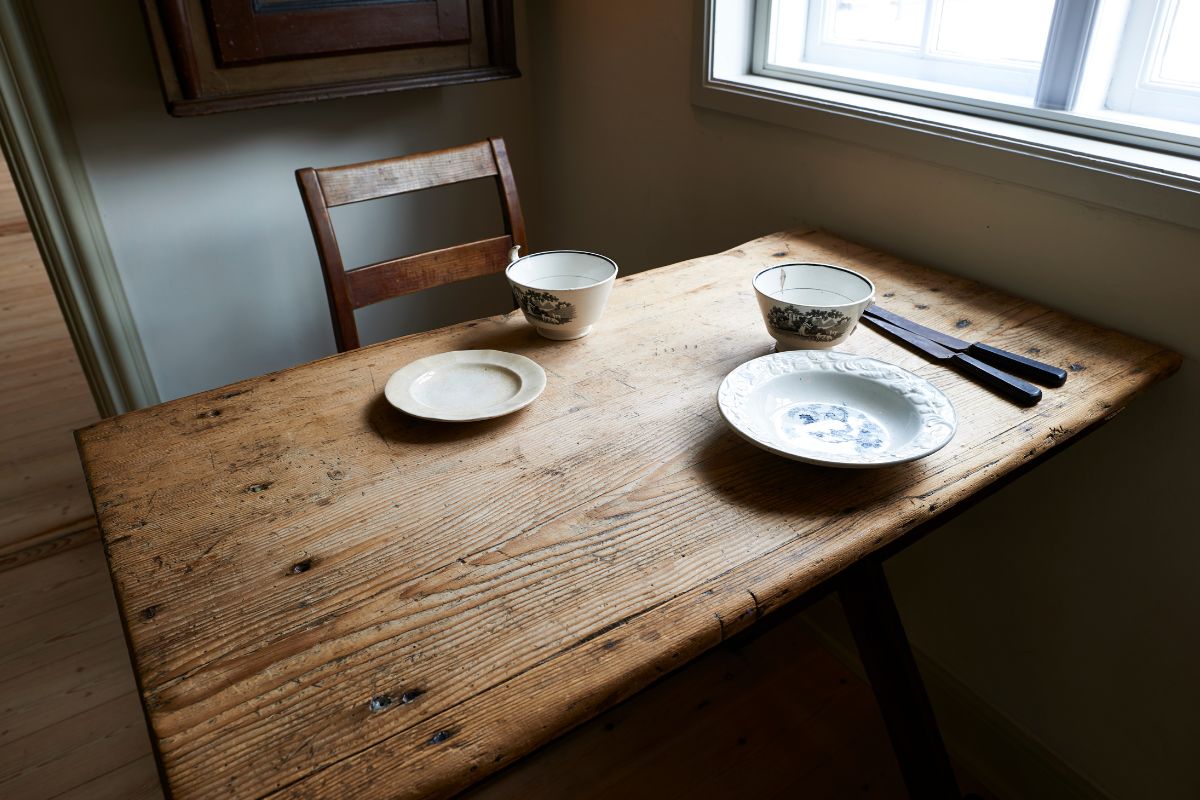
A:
{"points": [[1123, 70], [1157, 69]]}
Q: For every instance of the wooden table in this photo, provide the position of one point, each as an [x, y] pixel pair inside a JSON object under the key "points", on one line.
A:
{"points": [[325, 598]]}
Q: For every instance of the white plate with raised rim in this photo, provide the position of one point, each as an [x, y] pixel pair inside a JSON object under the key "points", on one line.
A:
{"points": [[836, 409], [465, 385]]}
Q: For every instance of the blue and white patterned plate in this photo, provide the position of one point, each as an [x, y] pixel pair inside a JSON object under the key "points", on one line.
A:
{"points": [[836, 409]]}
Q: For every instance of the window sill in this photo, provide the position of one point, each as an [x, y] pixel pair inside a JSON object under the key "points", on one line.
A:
{"points": [[1152, 184]]}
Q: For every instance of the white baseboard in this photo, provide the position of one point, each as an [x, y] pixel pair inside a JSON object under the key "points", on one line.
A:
{"points": [[995, 750]]}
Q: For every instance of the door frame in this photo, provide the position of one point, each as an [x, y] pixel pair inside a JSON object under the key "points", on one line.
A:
{"points": [[48, 171]]}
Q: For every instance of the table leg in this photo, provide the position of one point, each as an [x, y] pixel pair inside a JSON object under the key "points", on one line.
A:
{"points": [[888, 660]]}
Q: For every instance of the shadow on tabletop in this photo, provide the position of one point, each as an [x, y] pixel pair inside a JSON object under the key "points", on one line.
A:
{"points": [[755, 479], [503, 332], [494, 333], [394, 426]]}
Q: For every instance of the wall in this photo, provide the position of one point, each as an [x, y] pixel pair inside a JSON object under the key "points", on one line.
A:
{"points": [[1066, 602], [203, 214]]}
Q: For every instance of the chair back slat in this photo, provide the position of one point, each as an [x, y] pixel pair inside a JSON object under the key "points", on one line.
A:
{"points": [[372, 180], [401, 276], [514, 221], [322, 189]]}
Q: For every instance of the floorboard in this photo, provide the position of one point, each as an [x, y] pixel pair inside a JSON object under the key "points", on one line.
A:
{"points": [[43, 396], [70, 721]]}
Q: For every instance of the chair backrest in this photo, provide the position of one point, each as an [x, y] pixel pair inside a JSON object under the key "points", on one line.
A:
{"points": [[348, 290]]}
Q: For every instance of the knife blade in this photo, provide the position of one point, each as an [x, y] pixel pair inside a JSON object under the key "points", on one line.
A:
{"points": [[1034, 370], [1015, 389]]}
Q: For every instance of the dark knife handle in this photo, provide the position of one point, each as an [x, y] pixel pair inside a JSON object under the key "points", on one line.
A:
{"points": [[1015, 389], [1038, 371]]}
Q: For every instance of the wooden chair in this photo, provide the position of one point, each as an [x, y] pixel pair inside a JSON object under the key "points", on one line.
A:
{"points": [[348, 290]]}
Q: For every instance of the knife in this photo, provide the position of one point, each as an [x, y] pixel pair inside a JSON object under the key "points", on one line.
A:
{"points": [[1015, 389], [1045, 374]]}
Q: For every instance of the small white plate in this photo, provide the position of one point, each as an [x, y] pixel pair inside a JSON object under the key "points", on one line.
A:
{"points": [[465, 385], [836, 409]]}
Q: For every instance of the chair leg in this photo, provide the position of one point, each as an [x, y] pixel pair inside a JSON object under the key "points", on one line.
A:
{"points": [[888, 660]]}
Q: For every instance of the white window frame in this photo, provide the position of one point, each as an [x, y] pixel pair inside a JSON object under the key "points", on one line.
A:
{"points": [[1156, 184], [1061, 76], [921, 62], [1134, 89]]}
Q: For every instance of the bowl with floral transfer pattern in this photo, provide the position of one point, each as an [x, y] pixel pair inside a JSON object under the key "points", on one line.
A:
{"points": [[810, 306], [561, 292]]}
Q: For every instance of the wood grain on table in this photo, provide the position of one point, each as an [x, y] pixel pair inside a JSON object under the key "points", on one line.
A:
{"points": [[325, 597]]}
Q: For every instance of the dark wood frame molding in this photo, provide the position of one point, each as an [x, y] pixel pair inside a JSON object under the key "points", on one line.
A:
{"points": [[242, 34], [275, 62]]}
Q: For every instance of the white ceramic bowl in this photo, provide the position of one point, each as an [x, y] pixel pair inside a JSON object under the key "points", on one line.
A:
{"points": [[809, 306], [562, 292]]}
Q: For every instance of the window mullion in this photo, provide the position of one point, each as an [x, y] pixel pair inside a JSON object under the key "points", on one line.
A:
{"points": [[933, 9], [1066, 47], [1164, 21], [816, 25]]}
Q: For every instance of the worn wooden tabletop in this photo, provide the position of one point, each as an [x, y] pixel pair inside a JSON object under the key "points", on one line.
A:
{"points": [[325, 598]]}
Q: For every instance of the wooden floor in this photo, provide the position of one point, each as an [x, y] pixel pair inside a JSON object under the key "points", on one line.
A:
{"points": [[70, 722], [43, 396], [771, 715]]}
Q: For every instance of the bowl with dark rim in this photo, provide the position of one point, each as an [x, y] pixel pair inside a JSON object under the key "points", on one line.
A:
{"points": [[811, 306], [561, 292]]}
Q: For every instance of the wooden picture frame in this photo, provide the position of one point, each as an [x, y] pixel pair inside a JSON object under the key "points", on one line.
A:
{"points": [[225, 55]]}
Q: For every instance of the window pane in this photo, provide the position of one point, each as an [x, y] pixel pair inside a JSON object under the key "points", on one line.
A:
{"points": [[898, 23], [994, 30], [1180, 60], [1140, 80]]}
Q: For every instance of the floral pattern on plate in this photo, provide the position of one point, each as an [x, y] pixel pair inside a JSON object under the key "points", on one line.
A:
{"points": [[832, 428]]}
